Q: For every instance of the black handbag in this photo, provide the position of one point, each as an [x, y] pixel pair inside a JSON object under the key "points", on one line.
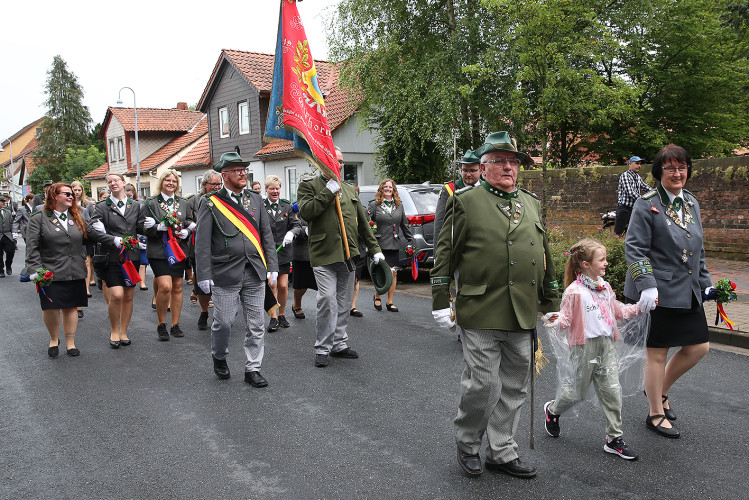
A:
{"points": [[101, 257]]}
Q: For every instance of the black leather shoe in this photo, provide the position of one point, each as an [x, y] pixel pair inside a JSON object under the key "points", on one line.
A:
{"points": [[163, 334], [73, 352], [347, 353], [53, 351], [114, 344], [2, 274], [80, 313], [8, 270], [177, 331], [283, 322], [220, 368], [669, 432], [513, 468], [321, 360], [273, 325], [126, 342], [471, 464], [669, 412], [255, 379], [203, 321]]}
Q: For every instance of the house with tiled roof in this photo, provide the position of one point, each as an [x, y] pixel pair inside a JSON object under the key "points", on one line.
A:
{"points": [[20, 145], [165, 136], [236, 100]]}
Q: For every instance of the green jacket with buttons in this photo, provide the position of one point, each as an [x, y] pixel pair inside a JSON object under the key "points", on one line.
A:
{"points": [[317, 207], [501, 253]]}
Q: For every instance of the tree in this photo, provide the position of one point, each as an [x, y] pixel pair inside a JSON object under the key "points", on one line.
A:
{"points": [[79, 162], [65, 125]]}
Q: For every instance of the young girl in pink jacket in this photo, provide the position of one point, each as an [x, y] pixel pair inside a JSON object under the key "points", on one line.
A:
{"points": [[587, 327]]}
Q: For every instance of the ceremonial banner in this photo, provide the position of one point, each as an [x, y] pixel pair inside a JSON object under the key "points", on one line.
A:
{"points": [[297, 109]]}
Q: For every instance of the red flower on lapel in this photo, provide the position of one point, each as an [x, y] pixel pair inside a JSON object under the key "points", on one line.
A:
{"points": [[654, 210]]}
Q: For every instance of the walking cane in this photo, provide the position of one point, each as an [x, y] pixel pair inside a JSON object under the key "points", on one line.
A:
{"points": [[534, 338], [347, 253]]}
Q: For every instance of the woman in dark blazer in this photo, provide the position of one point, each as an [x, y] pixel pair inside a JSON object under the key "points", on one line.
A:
{"points": [[386, 211], [666, 260], [55, 239], [118, 215], [87, 210], [167, 277]]}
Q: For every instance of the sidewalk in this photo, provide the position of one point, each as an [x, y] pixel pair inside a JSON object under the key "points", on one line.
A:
{"points": [[738, 312]]}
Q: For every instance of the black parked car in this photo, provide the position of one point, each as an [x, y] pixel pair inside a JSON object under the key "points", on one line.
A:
{"points": [[420, 203]]}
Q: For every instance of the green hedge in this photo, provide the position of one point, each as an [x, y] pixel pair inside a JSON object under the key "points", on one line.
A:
{"points": [[561, 240]]}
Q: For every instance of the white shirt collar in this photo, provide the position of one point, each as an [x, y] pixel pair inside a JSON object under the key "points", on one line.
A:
{"points": [[116, 201], [166, 197], [57, 214], [672, 196]]}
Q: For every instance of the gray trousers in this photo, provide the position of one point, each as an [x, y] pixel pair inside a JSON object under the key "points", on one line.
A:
{"points": [[594, 361], [335, 290], [493, 388], [250, 293]]}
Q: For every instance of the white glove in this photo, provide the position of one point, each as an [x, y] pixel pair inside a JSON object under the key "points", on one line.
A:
{"points": [[288, 238], [99, 226], [378, 257], [183, 233], [306, 230], [648, 298], [149, 222], [442, 317], [117, 241], [161, 227], [272, 277], [141, 245], [32, 277], [15, 236], [205, 285], [192, 226], [550, 319], [333, 186]]}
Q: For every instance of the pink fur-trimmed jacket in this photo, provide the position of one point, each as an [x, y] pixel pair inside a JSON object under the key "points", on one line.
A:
{"points": [[571, 311]]}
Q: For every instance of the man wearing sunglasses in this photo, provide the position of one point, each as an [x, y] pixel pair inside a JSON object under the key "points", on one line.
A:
{"points": [[499, 248], [235, 256]]}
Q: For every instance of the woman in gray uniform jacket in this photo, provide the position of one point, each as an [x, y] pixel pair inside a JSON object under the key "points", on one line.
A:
{"points": [[55, 241], [386, 211]]}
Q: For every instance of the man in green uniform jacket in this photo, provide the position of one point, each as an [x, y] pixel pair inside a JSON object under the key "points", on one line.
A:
{"points": [[335, 283], [504, 278]]}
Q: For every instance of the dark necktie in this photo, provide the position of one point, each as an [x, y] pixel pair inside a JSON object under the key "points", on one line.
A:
{"points": [[170, 201], [274, 206], [120, 204], [63, 217], [237, 197], [677, 204]]}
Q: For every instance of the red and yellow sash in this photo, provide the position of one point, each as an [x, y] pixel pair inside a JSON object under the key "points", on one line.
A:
{"points": [[241, 223], [450, 188]]}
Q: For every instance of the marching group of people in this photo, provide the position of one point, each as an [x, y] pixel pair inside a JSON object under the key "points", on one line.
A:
{"points": [[490, 244]]}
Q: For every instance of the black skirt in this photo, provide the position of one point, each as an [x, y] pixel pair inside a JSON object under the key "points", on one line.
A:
{"points": [[284, 268], [391, 257], [671, 327], [112, 274], [361, 262], [303, 276], [63, 295], [161, 267]]}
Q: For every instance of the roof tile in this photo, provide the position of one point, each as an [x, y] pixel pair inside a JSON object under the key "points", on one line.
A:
{"points": [[198, 155], [172, 148], [157, 120]]}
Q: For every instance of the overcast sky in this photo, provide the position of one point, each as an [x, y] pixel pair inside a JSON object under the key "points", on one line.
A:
{"points": [[164, 49]]}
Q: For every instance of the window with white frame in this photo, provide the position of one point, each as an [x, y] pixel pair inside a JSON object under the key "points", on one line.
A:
{"points": [[112, 151], [120, 148], [244, 117], [223, 122], [198, 184], [351, 172], [291, 183]]}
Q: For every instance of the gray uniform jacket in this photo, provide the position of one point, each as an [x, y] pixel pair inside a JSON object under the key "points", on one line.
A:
{"points": [[222, 251], [389, 225], [118, 225], [281, 223], [664, 253], [50, 246], [152, 208], [192, 209], [6, 223], [21, 220]]}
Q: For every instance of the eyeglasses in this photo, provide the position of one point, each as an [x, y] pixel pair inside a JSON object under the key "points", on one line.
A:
{"points": [[340, 162], [513, 162], [682, 169], [212, 183], [469, 171], [240, 172], [66, 193]]}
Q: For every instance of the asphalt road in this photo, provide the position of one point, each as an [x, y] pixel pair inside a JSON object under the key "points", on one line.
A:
{"points": [[152, 420]]}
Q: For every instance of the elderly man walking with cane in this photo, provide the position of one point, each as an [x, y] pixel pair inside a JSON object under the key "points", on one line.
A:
{"points": [[494, 237]]}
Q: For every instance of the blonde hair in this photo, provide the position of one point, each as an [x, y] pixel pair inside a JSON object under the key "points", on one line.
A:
{"points": [[166, 174], [379, 196], [116, 175], [582, 251], [272, 180], [84, 198]]}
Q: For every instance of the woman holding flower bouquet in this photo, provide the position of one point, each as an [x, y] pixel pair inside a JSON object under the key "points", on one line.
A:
{"points": [[56, 261], [667, 263], [388, 220], [167, 225], [119, 216]]}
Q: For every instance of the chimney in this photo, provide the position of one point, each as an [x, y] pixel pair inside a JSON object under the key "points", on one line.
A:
{"points": [[182, 106]]}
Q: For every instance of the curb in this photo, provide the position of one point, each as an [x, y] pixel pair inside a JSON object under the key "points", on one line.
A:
{"points": [[727, 337]]}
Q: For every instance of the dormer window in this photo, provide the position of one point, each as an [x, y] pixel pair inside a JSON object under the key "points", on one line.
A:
{"points": [[243, 109], [223, 122]]}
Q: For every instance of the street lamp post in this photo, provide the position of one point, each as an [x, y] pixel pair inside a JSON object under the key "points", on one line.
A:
{"points": [[137, 152], [10, 179]]}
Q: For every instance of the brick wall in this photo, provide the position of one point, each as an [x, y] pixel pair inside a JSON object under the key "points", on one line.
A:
{"points": [[575, 197]]}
